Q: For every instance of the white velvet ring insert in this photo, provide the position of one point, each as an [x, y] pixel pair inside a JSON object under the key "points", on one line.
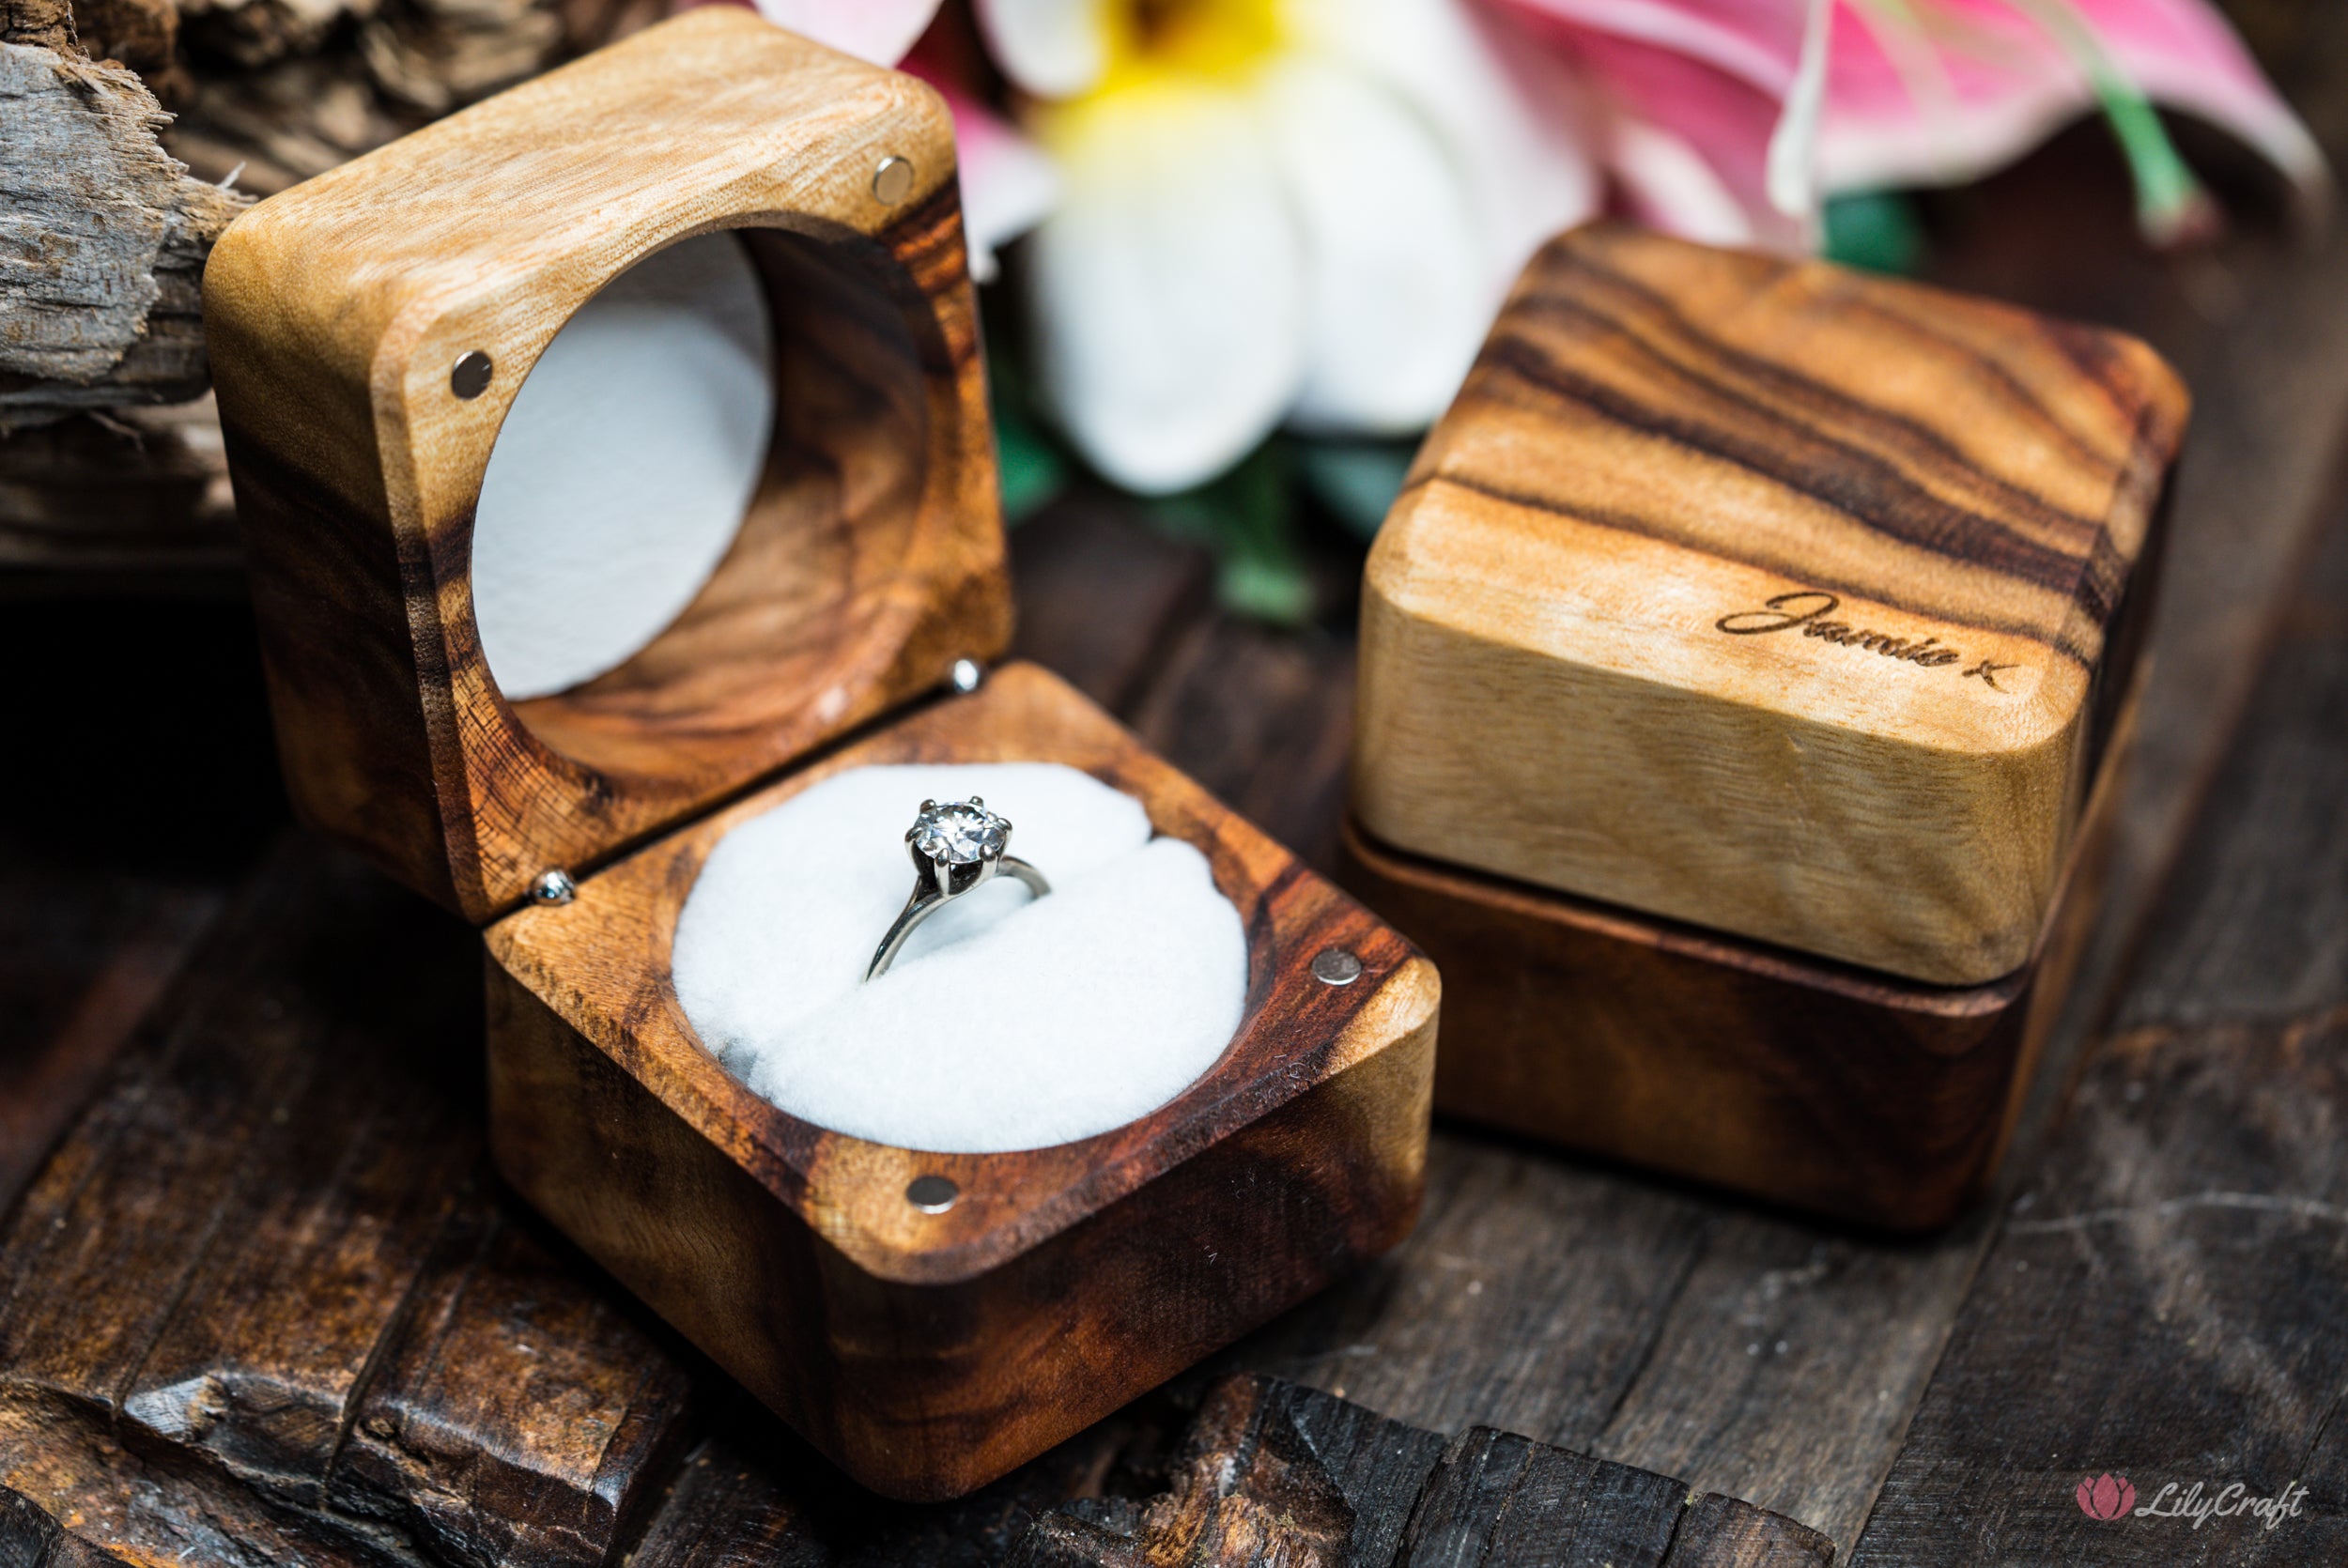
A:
{"points": [[1007, 1023]]}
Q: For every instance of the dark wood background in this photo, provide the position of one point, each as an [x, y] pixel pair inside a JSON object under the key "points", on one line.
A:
{"points": [[260, 1299]]}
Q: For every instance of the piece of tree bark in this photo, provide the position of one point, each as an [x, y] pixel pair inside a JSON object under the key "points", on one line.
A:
{"points": [[129, 493], [141, 34], [39, 24], [102, 246], [296, 112], [442, 55], [277, 127], [250, 35]]}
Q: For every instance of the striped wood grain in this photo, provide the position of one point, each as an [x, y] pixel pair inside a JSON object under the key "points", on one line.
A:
{"points": [[1768, 597], [928, 1353], [871, 558]]}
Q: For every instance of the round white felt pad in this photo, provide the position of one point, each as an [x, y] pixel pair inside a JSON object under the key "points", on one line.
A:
{"points": [[621, 472], [1007, 1023]]}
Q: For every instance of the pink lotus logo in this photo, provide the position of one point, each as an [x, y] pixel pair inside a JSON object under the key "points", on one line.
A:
{"points": [[2106, 1497]]}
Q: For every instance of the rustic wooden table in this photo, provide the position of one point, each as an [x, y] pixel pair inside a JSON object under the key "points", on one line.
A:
{"points": [[261, 1301]]}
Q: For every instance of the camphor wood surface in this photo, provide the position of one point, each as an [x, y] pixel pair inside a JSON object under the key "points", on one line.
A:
{"points": [[929, 1353], [1780, 600], [926, 1353], [871, 558], [1793, 1079]]}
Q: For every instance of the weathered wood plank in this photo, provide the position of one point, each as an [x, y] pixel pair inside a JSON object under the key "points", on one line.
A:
{"points": [[519, 1412], [2161, 1303], [752, 1495], [137, 496], [82, 959], [1266, 1472], [259, 1296], [2257, 925], [1548, 1507], [1261, 718], [1458, 1513], [1723, 1532], [1790, 1361], [1378, 1465], [1624, 1515], [143, 786], [1529, 1298], [1101, 597], [1258, 1483]]}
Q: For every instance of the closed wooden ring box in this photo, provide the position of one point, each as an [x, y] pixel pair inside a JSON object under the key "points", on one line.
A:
{"points": [[1738, 665], [926, 1350]]}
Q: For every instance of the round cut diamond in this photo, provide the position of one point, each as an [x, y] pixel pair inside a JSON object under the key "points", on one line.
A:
{"points": [[959, 832]]}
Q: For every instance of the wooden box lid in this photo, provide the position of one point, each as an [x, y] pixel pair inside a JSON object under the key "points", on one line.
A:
{"points": [[1769, 596], [870, 557]]}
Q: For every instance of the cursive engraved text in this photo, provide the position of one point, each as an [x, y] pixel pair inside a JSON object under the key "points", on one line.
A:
{"points": [[1811, 609]]}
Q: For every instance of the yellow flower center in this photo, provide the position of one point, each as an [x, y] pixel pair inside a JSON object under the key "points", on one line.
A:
{"points": [[1168, 60], [1186, 41]]}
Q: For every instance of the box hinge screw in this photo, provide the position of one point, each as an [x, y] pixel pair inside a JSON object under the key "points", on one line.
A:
{"points": [[1334, 966]]}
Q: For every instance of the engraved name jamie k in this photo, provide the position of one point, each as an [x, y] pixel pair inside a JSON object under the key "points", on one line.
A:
{"points": [[1808, 610]]}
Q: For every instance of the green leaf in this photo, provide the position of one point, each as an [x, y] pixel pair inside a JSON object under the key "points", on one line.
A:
{"points": [[1031, 466], [2170, 204], [1875, 230], [1032, 470], [1247, 516]]}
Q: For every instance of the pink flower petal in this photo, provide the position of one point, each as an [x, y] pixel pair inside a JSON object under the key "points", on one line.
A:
{"points": [[1977, 82], [1756, 42], [876, 30], [1697, 91], [1667, 185]]}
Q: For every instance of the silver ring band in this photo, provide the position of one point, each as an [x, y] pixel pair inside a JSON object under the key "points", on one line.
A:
{"points": [[956, 849], [928, 901]]}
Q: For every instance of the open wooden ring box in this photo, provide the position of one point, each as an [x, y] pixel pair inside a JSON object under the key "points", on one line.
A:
{"points": [[926, 1344], [1746, 667]]}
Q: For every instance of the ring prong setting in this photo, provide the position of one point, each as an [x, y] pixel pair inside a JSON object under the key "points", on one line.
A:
{"points": [[956, 846]]}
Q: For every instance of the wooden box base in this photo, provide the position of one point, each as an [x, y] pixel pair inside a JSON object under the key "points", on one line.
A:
{"points": [[1790, 1077], [928, 1353]]}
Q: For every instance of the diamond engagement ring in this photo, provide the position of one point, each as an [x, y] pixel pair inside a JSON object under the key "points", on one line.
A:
{"points": [[956, 848]]}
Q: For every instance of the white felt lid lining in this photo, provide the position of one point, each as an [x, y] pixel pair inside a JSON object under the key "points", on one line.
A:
{"points": [[621, 472]]}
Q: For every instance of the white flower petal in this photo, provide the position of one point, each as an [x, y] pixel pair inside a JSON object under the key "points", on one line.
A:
{"points": [[1398, 292], [876, 30], [1167, 286], [1051, 48], [1793, 158], [1508, 111], [1672, 188]]}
